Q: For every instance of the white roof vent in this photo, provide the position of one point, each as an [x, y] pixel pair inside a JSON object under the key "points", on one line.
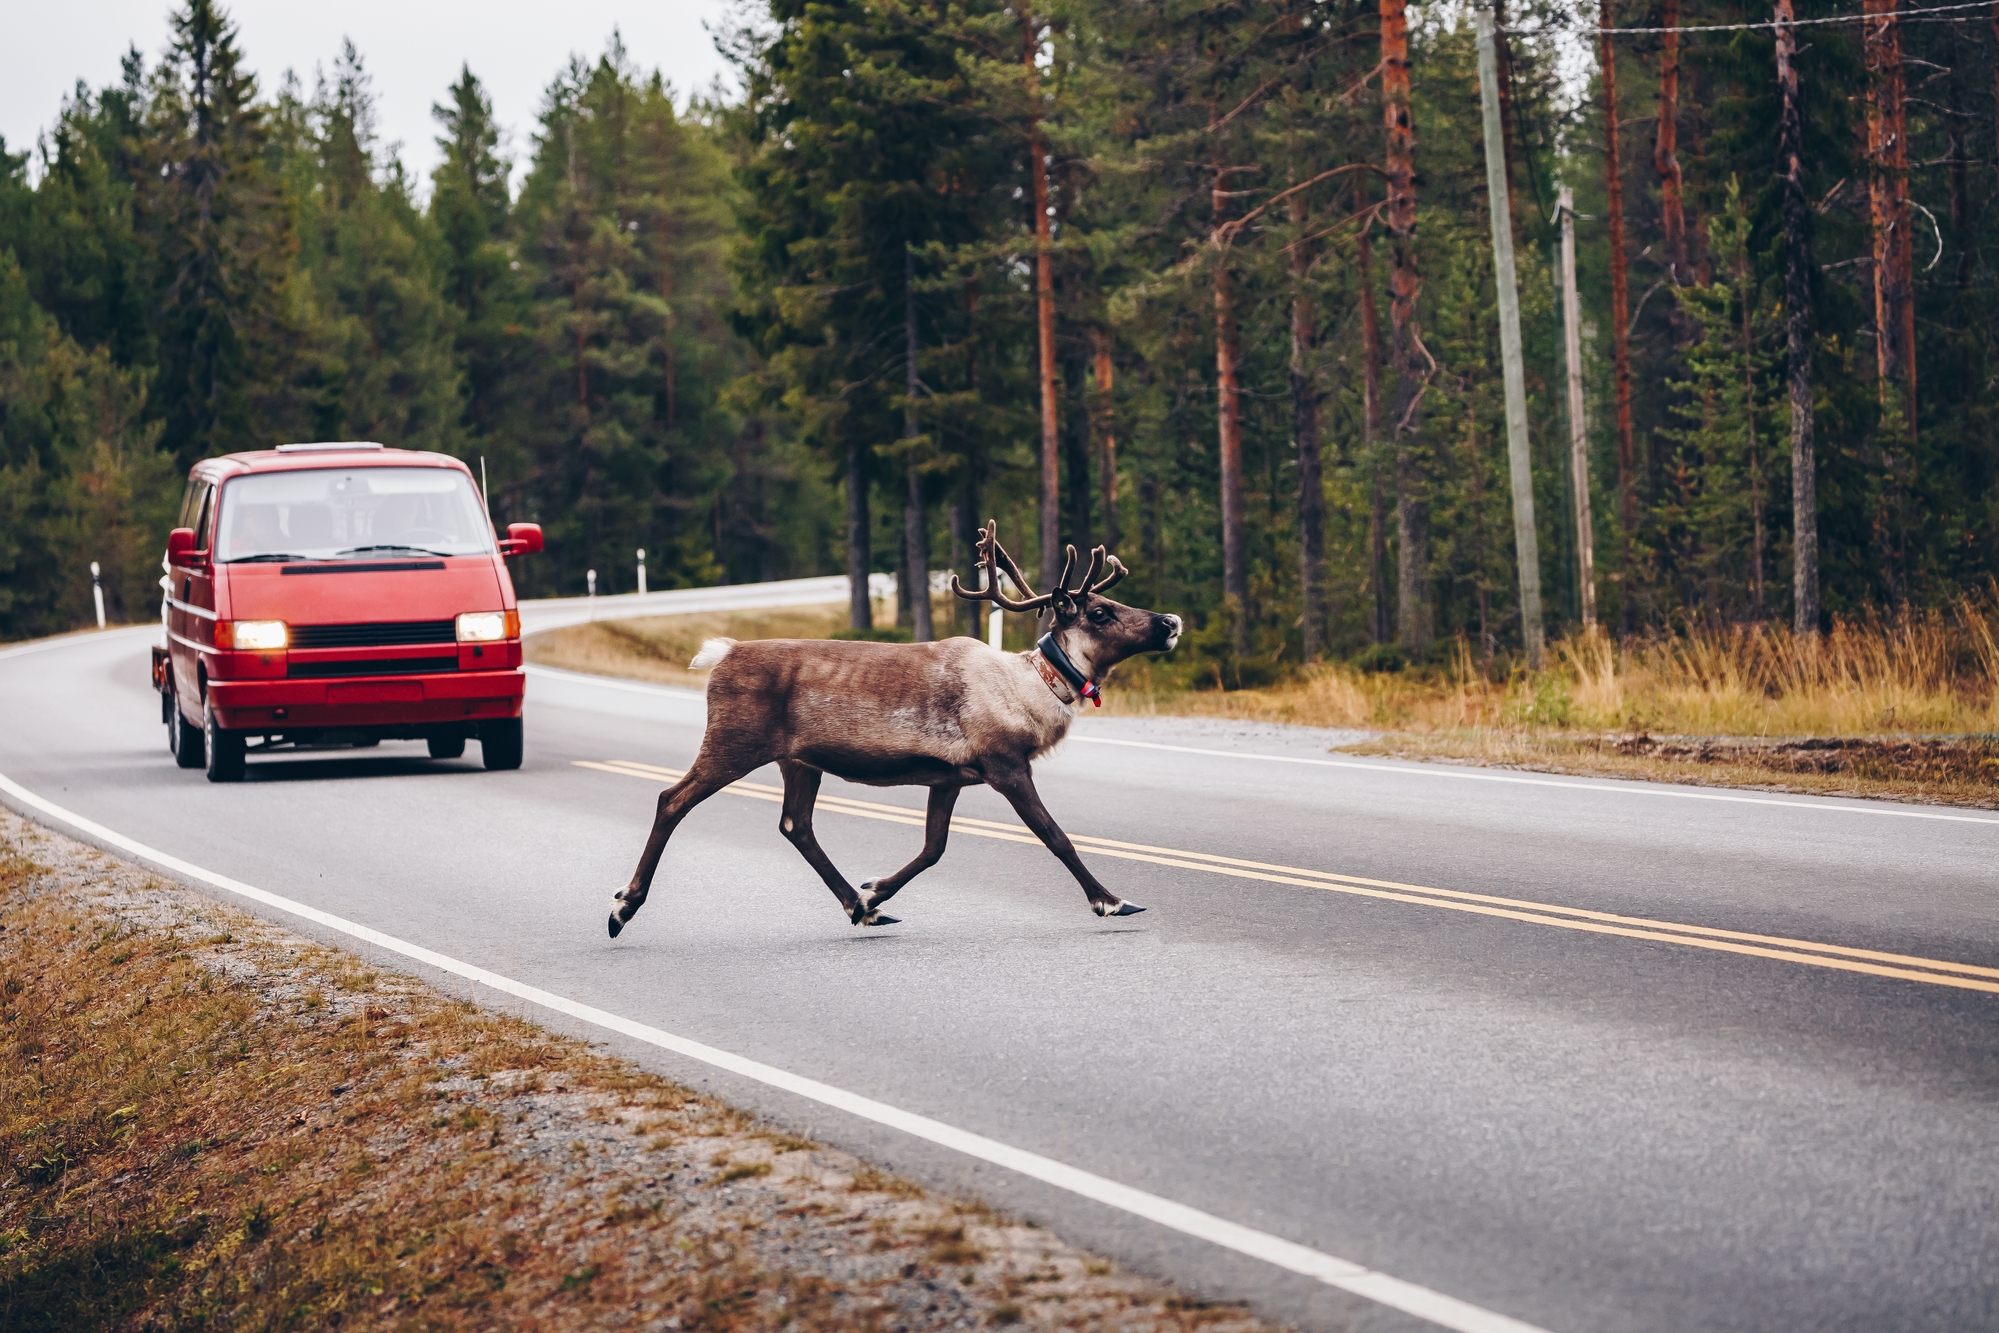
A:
{"points": [[328, 447]]}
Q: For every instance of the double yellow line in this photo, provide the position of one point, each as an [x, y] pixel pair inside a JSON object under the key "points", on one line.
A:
{"points": [[1872, 962]]}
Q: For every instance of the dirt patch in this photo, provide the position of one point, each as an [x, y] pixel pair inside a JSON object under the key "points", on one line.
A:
{"points": [[1933, 770], [208, 1121]]}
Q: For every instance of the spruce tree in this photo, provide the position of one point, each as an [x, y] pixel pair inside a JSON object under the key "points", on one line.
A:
{"points": [[222, 235]]}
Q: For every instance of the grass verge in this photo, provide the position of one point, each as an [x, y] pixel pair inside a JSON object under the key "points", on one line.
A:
{"points": [[206, 1121], [1901, 708]]}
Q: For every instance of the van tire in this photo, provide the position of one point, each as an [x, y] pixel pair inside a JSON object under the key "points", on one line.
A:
{"points": [[184, 739], [225, 750], [500, 744], [446, 747]]}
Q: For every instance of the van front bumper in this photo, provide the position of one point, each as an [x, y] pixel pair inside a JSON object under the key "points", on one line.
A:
{"points": [[366, 701]]}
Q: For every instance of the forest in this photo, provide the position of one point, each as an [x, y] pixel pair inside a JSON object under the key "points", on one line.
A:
{"points": [[1210, 282]]}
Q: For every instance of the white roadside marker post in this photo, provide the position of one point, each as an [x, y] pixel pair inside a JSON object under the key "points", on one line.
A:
{"points": [[591, 578], [995, 628], [642, 571], [97, 594]]}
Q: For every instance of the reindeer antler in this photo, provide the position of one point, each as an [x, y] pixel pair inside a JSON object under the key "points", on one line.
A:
{"points": [[992, 560], [1115, 571]]}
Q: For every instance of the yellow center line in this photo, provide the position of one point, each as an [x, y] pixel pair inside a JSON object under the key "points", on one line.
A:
{"points": [[1871, 962]]}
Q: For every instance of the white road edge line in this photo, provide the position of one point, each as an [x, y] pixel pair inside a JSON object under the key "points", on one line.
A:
{"points": [[1408, 1297], [1831, 805]]}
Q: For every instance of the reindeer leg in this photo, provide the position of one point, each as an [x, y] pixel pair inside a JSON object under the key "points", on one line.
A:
{"points": [[801, 791], [1016, 782], [704, 779], [936, 829]]}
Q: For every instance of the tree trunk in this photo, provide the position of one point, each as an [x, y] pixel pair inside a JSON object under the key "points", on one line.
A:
{"points": [[1888, 209], [1746, 284], [969, 519], [1370, 429], [1305, 426], [1235, 574], [1504, 52], [860, 553], [916, 524], [1666, 145], [1076, 448], [1798, 330], [1405, 346], [1106, 416], [1044, 301], [1620, 319]]}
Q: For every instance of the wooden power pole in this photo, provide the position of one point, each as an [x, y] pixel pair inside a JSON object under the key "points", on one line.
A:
{"points": [[1572, 340], [1525, 546]]}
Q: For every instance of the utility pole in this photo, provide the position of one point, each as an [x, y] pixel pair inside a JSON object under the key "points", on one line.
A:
{"points": [[1572, 337], [1525, 547]]}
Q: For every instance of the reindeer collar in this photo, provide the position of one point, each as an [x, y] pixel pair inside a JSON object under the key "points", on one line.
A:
{"points": [[1056, 668]]}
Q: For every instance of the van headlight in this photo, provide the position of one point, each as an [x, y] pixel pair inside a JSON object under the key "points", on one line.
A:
{"points": [[255, 635], [484, 626]]}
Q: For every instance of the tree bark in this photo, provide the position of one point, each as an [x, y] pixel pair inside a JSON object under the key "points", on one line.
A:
{"points": [[860, 553], [1505, 64], [1044, 305], [1620, 317], [1370, 398], [1305, 428], [1106, 417], [969, 519], [1076, 448], [1235, 573], [916, 523], [1798, 330], [1888, 209], [1405, 346], [1666, 146]]}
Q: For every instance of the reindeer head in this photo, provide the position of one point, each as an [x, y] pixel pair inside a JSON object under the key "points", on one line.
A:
{"points": [[1093, 632]]}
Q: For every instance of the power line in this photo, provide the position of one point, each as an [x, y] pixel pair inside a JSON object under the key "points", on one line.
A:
{"points": [[1903, 16]]}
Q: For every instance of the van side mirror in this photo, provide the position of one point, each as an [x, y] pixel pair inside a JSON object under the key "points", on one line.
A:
{"points": [[521, 539], [180, 546]]}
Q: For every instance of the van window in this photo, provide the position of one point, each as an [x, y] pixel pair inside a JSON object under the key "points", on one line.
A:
{"points": [[202, 523], [352, 513]]}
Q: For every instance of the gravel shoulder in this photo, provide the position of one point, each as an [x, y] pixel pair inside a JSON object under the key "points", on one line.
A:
{"points": [[207, 1120]]}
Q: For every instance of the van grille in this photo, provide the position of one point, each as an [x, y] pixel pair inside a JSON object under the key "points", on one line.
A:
{"points": [[380, 666], [376, 635]]}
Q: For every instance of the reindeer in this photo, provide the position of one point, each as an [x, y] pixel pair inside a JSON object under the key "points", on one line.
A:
{"points": [[946, 716]]}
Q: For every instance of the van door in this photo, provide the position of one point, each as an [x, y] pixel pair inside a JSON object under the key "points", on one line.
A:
{"points": [[191, 601]]}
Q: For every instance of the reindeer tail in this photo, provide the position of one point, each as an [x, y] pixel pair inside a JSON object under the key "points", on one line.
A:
{"points": [[712, 651]]}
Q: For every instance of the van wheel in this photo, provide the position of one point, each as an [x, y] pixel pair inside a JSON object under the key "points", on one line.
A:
{"points": [[500, 743], [225, 750], [445, 747], [184, 739]]}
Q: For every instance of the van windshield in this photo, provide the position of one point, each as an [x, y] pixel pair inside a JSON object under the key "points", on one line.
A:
{"points": [[353, 513]]}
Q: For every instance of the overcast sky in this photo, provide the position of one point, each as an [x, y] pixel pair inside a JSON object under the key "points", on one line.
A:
{"points": [[413, 48]]}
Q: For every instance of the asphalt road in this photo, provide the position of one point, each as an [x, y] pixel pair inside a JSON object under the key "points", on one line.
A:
{"points": [[1583, 1122]]}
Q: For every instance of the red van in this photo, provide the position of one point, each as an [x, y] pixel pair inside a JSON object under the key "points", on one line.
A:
{"points": [[338, 594]]}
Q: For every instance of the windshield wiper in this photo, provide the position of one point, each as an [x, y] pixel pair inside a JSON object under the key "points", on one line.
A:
{"points": [[391, 546], [266, 556]]}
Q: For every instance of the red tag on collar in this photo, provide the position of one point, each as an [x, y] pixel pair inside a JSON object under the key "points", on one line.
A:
{"points": [[1090, 693]]}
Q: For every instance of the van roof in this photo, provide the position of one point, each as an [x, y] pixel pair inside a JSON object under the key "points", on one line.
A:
{"points": [[351, 453]]}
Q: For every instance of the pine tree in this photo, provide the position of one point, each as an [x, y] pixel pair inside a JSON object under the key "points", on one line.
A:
{"points": [[387, 364], [218, 223]]}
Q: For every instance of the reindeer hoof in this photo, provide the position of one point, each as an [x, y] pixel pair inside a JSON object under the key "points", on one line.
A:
{"points": [[616, 925], [1117, 909], [877, 919]]}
